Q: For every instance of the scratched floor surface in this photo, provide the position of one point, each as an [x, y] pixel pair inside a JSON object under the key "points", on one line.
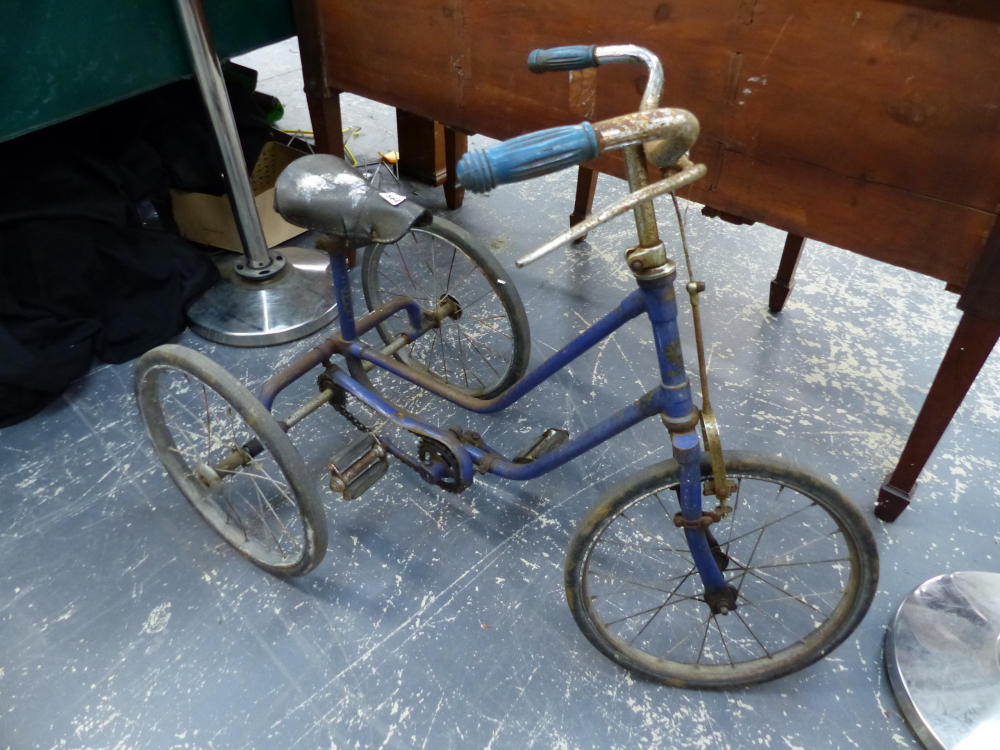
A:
{"points": [[439, 621]]}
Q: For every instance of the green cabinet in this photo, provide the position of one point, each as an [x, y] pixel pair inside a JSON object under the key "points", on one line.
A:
{"points": [[61, 58]]}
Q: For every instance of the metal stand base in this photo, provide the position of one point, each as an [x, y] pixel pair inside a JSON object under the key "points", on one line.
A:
{"points": [[942, 654], [295, 302]]}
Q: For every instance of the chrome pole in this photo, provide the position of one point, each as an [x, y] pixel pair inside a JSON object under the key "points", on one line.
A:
{"points": [[297, 298], [208, 73]]}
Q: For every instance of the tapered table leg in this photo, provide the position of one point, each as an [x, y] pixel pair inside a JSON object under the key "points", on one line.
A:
{"points": [[586, 186], [784, 280], [456, 143], [970, 346]]}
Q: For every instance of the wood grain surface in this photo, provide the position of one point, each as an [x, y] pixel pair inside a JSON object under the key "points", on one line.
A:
{"points": [[871, 126]]}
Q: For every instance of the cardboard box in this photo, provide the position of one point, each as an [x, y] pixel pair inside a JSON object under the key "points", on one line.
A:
{"points": [[208, 219]]}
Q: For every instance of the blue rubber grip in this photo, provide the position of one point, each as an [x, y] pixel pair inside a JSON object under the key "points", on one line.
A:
{"points": [[527, 156], [575, 57]]}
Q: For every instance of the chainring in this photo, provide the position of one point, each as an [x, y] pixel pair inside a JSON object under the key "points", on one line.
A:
{"points": [[429, 450]]}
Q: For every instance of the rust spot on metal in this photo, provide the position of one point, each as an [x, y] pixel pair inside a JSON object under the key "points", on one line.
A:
{"points": [[673, 352], [647, 400]]}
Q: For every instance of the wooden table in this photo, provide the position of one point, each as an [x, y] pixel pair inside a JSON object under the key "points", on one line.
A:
{"points": [[871, 126]]}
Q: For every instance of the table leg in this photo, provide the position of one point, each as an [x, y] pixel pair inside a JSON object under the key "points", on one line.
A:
{"points": [[328, 128], [456, 143], [323, 101], [784, 281], [970, 346], [421, 148], [586, 186]]}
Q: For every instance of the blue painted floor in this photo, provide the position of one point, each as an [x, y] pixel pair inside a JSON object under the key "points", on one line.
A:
{"points": [[437, 620]]}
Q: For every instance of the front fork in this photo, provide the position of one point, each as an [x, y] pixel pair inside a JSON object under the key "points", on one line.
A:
{"points": [[719, 595], [681, 419]]}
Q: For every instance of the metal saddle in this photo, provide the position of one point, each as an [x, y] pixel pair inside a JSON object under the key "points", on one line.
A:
{"points": [[321, 192]]}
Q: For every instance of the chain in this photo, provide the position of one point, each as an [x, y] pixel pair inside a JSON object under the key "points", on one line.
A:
{"points": [[342, 410]]}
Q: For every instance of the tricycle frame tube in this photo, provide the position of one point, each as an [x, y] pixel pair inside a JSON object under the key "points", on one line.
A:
{"points": [[661, 307], [630, 308], [648, 406], [327, 348], [345, 304]]}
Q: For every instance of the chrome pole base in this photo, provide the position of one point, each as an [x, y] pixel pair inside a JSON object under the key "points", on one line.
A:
{"points": [[296, 301], [942, 654]]}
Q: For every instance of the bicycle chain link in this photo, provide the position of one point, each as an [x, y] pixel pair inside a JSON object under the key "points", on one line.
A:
{"points": [[358, 424]]}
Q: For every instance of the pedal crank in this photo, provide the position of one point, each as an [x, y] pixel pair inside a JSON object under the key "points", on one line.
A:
{"points": [[356, 468]]}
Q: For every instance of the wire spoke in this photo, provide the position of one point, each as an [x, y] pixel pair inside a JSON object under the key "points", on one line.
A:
{"points": [[602, 540], [409, 274], [754, 635], [701, 649], [800, 598], [797, 637], [475, 346], [649, 535], [655, 609], [809, 562], [636, 584], [772, 523], [724, 644], [662, 606]]}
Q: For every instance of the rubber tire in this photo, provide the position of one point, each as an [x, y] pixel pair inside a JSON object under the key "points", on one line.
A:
{"points": [[264, 426], [861, 588], [500, 282]]}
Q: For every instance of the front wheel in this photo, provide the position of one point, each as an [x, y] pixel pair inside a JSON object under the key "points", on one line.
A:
{"points": [[799, 554], [483, 348]]}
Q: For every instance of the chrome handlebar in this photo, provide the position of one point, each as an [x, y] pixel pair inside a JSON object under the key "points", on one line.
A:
{"points": [[665, 134], [630, 53]]}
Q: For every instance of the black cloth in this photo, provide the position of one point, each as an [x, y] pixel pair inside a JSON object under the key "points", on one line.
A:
{"points": [[86, 266]]}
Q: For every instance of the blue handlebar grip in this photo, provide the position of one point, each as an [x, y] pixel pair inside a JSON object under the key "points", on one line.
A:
{"points": [[527, 156], [575, 57]]}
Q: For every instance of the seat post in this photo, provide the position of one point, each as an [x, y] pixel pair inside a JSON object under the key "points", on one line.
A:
{"points": [[339, 250]]}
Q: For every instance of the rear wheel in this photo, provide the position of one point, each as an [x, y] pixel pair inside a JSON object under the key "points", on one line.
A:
{"points": [[231, 459], [800, 556], [483, 348]]}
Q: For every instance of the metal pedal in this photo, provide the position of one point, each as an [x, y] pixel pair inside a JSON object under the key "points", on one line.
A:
{"points": [[551, 439], [357, 467]]}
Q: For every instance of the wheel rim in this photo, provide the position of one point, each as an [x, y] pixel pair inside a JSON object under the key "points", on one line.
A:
{"points": [[474, 351], [793, 562], [254, 508]]}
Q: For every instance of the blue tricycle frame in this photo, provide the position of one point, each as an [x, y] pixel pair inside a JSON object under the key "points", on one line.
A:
{"points": [[672, 399], [822, 562]]}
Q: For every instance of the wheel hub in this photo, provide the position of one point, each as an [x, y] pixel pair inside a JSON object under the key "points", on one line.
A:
{"points": [[722, 602], [449, 307], [208, 476]]}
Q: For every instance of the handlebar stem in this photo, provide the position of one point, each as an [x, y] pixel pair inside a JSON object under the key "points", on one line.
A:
{"points": [[635, 158]]}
